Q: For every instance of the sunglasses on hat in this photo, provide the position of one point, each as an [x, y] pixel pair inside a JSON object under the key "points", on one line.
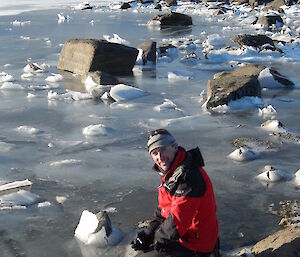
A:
{"points": [[158, 132]]}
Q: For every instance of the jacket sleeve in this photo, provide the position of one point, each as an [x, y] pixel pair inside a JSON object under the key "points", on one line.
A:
{"points": [[179, 220], [155, 222]]}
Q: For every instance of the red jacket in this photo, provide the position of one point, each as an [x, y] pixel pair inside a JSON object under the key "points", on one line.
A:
{"points": [[186, 212]]}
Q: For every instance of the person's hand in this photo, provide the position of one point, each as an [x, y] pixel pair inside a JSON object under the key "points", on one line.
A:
{"points": [[160, 247], [142, 241]]}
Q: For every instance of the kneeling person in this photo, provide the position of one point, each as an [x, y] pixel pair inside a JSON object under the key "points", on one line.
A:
{"points": [[185, 222]]}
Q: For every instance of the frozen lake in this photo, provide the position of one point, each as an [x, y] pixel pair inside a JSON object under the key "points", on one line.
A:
{"points": [[42, 139]]}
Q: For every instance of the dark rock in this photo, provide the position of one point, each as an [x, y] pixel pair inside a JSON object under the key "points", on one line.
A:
{"points": [[281, 79], [158, 7], [252, 40], [149, 51], [285, 243], [163, 49], [174, 19], [269, 20], [86, 6], [125, 6], [84, 55], [171, 2], [232, 85]]}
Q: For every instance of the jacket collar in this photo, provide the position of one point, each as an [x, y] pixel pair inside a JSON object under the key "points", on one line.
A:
{"points": [[194, 154]]}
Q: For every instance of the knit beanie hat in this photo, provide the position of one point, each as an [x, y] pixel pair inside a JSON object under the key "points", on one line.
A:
{"points": [[159, 138]]}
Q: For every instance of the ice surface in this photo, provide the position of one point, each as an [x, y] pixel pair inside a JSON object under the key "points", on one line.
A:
{"points": [[19, 198], [114, 170]]}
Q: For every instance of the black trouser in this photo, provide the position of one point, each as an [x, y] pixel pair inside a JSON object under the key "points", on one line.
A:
{"points": [[180, 251]]}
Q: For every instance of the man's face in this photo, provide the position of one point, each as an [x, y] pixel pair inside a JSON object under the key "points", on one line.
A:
{"points": [[163, 156]]}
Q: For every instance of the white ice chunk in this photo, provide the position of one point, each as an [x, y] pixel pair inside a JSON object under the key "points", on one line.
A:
{"points": [[15, 184], [54, 78], [11, 86], [30, 95], [33, 68], [20, 198], [95, 130], [86, 231], [246, 103], [62, 18], [122, 92], [68, 162], [82, 6], [242, 154], [179, 75], [269, 110], [43, 204], [95, 89], [6, 78], [28, 130], [273, 126], [266, 79], [116, 39], [297, 177], [61, 199], [270, 174], [42, 87], [166, 105], [27, 76], [69, 96], [88, 223], [153, 23], [20, 23]]}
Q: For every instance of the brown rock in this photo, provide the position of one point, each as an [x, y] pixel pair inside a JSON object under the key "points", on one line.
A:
{"points": [[174, 19], [84, 55], [252, 40], [284, 243], [149, 51], [269, 20], [232, 85]]}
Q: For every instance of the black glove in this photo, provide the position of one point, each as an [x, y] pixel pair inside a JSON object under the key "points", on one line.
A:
{"points": [[160, 247], [142, 241]]}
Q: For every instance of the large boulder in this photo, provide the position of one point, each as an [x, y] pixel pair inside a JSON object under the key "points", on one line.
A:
{"points": [[174, 19], [232, 85], [81, 56], [285, 243], [252, 40], [149, 51], [269, 21]]}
